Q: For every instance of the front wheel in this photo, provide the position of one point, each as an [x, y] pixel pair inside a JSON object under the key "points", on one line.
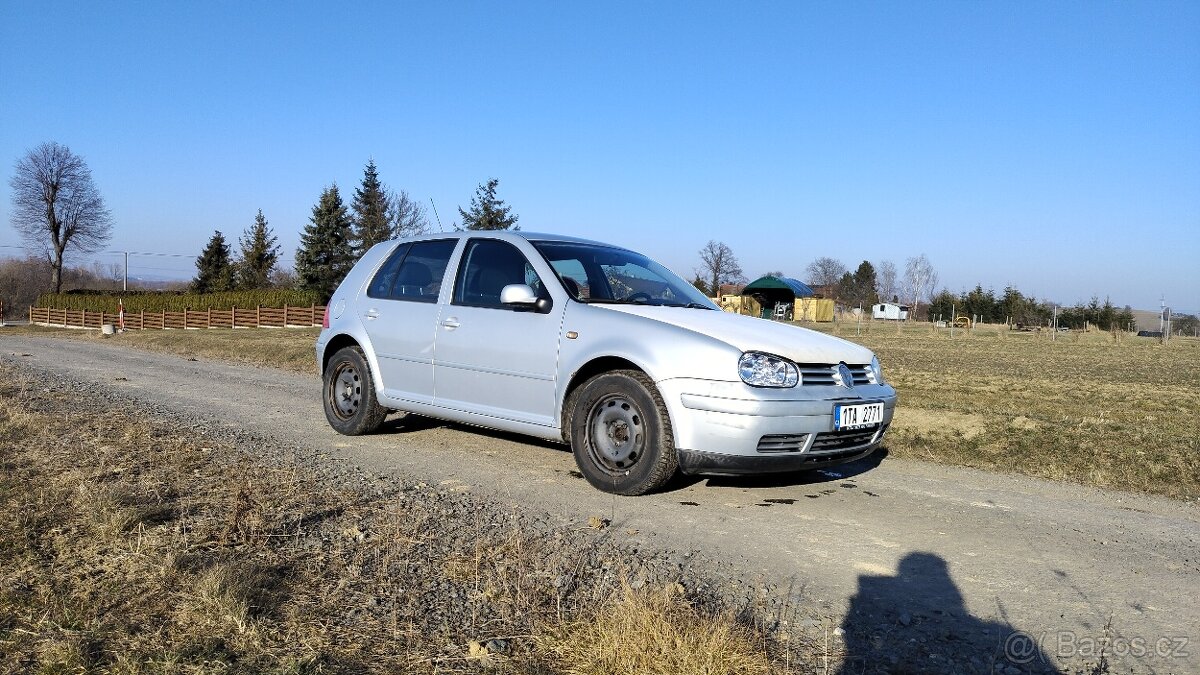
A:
{"points": [[350, 403], [621, 435]]}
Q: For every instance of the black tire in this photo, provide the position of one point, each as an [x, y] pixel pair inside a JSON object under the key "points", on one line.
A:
{"points": [[621, 435], [349, 394]]}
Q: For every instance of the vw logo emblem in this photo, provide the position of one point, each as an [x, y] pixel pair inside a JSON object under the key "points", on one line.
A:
{"points": [[846, 375]]}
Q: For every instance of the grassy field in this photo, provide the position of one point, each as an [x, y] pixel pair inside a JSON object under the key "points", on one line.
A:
{"points": [[1103, 410], [286, 348], [128, 548], [1120, 412]]}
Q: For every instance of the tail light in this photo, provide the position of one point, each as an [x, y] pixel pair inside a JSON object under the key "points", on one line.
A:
{"points": [[325, 318]]}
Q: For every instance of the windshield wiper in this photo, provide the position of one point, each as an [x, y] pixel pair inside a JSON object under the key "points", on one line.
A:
{"points": [[689, 305]]}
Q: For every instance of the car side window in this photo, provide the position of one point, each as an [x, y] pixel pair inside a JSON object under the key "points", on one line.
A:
{"points": [[414, 273], [385, 278], [488, 265]]}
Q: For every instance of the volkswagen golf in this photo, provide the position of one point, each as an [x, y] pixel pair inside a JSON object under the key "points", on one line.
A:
{"points": [[595, 346]]}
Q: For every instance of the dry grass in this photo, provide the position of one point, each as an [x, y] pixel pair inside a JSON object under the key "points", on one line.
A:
{"points": [[285, 348], [1098, 409], [652, 632], [127, 548]]}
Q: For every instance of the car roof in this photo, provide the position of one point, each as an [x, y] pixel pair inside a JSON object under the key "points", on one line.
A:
{"points": [[507, 235]]}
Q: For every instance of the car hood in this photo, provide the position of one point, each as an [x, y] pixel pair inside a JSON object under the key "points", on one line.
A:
{"points": [[751, 334]]}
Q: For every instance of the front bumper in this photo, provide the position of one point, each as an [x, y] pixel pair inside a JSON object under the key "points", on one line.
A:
{"points": [[729, 428]]}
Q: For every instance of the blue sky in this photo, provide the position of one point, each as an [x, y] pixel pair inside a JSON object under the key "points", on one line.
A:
{"points": [[1050, 145]]}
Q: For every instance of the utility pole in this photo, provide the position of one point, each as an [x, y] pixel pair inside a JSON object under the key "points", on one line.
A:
{"points": [[125, 282]]}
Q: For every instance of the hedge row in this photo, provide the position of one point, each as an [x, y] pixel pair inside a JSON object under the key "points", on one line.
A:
{"points": [[141, 301]]}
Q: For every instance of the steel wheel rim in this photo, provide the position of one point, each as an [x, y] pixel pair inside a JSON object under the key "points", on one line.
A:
{"points": [[345, 391], [616, 435]]}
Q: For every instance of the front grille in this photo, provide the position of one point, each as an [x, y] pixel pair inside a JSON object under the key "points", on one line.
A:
{"points": [[835, 441], [782, 443], [824, 374]]}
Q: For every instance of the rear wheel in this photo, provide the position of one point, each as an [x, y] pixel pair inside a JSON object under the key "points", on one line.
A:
{"points": [[350, 403], [621, 434]]}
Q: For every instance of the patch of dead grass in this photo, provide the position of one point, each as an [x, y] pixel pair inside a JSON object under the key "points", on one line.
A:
{"points": [[285, 348], [652, 631]]}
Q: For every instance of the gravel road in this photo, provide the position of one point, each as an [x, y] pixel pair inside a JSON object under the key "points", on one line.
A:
{"points": [[923, 567]]}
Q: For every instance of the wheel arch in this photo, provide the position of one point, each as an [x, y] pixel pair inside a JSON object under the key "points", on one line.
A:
{"points": [[594, 367], [336, 344]]}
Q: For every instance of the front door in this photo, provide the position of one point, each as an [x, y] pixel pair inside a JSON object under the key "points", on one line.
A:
{"points": [[494, 359]]}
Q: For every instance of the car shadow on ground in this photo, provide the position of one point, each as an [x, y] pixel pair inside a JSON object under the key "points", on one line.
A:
{"points": [[403, 423], [916, 622], [831, 474]]}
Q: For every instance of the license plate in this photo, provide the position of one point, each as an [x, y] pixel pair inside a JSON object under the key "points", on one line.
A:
{"points": [[857, 416]]}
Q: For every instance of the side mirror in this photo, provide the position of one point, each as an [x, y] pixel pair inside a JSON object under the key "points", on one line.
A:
{"points": [[517, 294], [522, 296]]}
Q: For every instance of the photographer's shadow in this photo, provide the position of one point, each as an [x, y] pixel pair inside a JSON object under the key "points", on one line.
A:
{"points": [[916, 622]]}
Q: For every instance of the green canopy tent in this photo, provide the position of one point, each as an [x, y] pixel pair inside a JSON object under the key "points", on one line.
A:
{"points": [[772, 292]]}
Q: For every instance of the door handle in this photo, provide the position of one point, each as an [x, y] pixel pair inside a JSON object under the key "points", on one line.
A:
{"points": [[372, 314], [450, 323]]}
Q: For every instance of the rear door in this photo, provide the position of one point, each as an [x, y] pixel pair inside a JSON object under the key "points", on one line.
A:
{"points": [[400, 312]]}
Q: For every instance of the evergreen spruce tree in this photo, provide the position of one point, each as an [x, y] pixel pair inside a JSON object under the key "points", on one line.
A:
{"points": [[487, 212], [864, 285], [325, 255], [371, 224], [214, 273], [260, 252]]}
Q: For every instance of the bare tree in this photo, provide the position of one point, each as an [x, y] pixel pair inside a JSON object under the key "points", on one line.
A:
{"points": [[56, 205], [719, 266], [407, 217], [920, 280], [777, 274], [825, 271], [885, 281]]}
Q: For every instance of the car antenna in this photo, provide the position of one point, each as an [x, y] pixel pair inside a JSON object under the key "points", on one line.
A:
{"points": [[435, 214]]}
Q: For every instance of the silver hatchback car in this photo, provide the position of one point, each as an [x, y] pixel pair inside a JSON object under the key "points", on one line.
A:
{"points": [[596, 346]]}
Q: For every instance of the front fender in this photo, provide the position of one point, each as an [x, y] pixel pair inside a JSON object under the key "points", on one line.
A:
{"points": [[662, 350]]}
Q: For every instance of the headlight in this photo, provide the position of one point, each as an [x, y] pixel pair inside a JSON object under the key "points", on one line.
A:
{"points": [[763, 370], [876, 370]]}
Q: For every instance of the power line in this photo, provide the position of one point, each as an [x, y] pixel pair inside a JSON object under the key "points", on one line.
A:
{"points": [[153, 254]]}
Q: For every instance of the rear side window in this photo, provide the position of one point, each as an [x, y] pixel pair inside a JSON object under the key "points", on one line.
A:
{"points": [[488, 265], [385, 278], [414, 272]]}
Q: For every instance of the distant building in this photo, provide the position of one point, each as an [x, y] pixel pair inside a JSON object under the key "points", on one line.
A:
{"points": [[777, 296], [890, 311]]}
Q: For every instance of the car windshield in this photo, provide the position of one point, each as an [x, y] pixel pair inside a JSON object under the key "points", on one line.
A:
{"points": [[604, 274]]}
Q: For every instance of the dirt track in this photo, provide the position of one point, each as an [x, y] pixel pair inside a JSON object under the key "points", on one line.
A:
{"points": [[912, 556]]}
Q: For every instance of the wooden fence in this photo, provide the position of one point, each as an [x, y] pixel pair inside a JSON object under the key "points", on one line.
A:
{"points": [[234, 317]]}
